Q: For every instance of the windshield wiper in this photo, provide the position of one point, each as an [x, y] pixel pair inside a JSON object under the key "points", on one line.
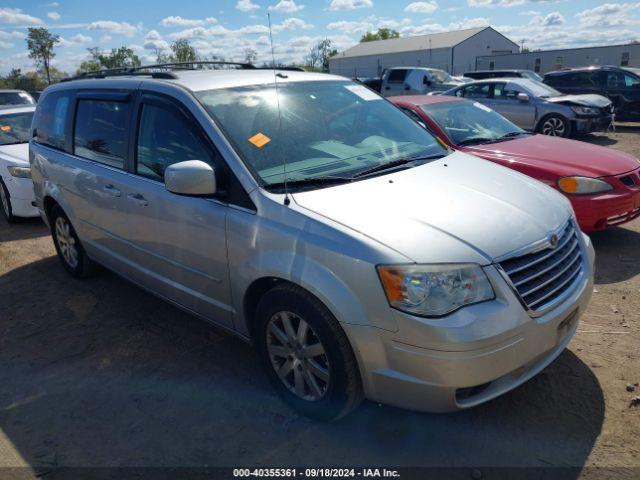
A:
{"points": [[512, 135], [397, 163], [476, 141], [14, 143], [308, 182]]}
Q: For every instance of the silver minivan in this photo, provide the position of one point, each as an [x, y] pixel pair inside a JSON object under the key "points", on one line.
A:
{"points": [[310, 216]]}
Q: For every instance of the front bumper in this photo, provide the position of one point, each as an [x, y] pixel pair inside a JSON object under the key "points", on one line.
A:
{"points": [[592, 124], [471, 356], [597, 212], [21, 196]]}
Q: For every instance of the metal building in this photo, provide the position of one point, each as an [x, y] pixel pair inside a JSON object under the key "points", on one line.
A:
{"points": [[454, 52], [548, 60]]}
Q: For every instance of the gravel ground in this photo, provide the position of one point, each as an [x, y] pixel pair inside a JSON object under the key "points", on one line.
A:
{"points": [[99, 373]]}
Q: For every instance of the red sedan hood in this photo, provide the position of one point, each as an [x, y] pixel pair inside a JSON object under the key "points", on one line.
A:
{"points": [[558, 155]]}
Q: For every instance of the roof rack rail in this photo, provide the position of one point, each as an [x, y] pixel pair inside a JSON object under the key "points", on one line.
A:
{"points": [[163, 70]]}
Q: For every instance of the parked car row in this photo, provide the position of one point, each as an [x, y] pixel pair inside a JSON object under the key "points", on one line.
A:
{"points": [[536, 107], [602, 184], [364, 253], [621, 85]]}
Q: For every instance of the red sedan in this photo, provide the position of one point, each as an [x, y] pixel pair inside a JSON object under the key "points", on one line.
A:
{"points": [[602, 184]]}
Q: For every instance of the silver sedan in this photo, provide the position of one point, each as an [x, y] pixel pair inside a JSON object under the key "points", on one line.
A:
{"points": [[539, 108]]}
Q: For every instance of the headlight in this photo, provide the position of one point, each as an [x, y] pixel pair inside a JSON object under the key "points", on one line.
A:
{"points": [[20, 172], [583, 185], [434, 290], [586, 110]]}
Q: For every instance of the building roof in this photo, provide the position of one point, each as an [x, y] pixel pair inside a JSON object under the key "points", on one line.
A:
{"points": [[410, 44]]}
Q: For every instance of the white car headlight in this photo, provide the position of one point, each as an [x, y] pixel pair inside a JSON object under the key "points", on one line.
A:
{"points": [[586, 110], [434, 290], [20, 172], [583, 185]]}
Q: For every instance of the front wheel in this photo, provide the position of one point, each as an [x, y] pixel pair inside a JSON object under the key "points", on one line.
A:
{"points": [[555, 126], [5, 200], [306, 354]]}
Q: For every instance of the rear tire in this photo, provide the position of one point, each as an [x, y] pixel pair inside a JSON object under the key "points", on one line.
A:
{"points": [[5, 203], [306, 354], [68, 246], [555, 126]]}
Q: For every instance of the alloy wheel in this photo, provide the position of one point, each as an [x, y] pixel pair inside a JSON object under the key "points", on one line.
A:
{"points": [[66, 242], [298, 356], [553, 127]]}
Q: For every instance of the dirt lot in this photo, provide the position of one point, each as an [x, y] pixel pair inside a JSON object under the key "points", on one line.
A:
{"points": [[99, 373]]}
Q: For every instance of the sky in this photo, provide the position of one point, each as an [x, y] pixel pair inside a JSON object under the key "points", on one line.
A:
{"points": [[229, 27]]}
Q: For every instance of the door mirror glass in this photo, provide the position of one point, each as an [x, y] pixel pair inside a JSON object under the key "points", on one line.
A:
{"points": [[523, 97], [192, 177], [426, 81]]}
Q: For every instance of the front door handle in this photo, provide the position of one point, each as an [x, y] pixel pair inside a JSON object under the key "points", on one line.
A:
{"points": [[139, 199], [111, 190]]}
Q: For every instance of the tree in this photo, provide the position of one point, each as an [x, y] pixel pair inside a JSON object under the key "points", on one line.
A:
{"points": [[381, 34], [183, 51], [319, 55], [250, 56], [122, 57], [40, 44]]}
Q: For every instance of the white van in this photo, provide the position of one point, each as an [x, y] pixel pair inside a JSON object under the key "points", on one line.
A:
{"points": [[416, 81]]}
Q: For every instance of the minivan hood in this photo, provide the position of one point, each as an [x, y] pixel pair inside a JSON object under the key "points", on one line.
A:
{"points": [[457, 209], [17, 154], [560, 156], [590, 100]]}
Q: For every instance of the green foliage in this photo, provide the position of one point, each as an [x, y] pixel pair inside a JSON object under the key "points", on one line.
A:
{"points": [[122, 57], [381, 34], [319, 55], [183, 51], [40, 43], [30, 81]]}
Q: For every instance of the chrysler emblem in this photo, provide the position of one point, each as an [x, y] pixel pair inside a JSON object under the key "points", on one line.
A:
{"points": [[553, 240]]}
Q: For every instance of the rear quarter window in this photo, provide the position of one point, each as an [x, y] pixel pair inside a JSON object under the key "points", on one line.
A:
{"points": [[50, 120]]}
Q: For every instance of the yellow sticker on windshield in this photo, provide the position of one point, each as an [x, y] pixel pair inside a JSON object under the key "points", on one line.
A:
{"points": [[5, 128], [259, 140]]}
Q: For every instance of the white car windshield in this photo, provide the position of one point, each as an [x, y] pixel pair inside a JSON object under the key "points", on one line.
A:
{"points": [[440, 75], [14, 128], [320, 129]]}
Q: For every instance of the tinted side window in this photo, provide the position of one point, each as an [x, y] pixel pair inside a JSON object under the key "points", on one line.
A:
{"points": [[166, 137], [475, 91], [502, 91], [101, 131], [50, 121], [397, 75]]}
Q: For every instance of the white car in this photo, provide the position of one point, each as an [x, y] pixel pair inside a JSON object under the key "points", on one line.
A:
{"points": [[16, 188]]}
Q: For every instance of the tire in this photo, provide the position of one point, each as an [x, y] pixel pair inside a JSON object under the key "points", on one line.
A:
{"points": [[68, 246], [555, 126], [321, 381], [5, 204]]}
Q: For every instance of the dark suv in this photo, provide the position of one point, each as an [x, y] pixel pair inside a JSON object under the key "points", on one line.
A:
{"points": [[620, 85]]}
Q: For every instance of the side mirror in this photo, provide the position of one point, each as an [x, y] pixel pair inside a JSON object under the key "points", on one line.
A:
{"points": [[523, 97], [192, 177]]}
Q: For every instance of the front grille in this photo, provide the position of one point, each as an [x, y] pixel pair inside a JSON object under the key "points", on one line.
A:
{"points": [[628, 180], [540, 278]]}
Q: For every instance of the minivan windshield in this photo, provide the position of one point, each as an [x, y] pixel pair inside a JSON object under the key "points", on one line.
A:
{"points": [[325, 130], [14, 128], [470, 123]]}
